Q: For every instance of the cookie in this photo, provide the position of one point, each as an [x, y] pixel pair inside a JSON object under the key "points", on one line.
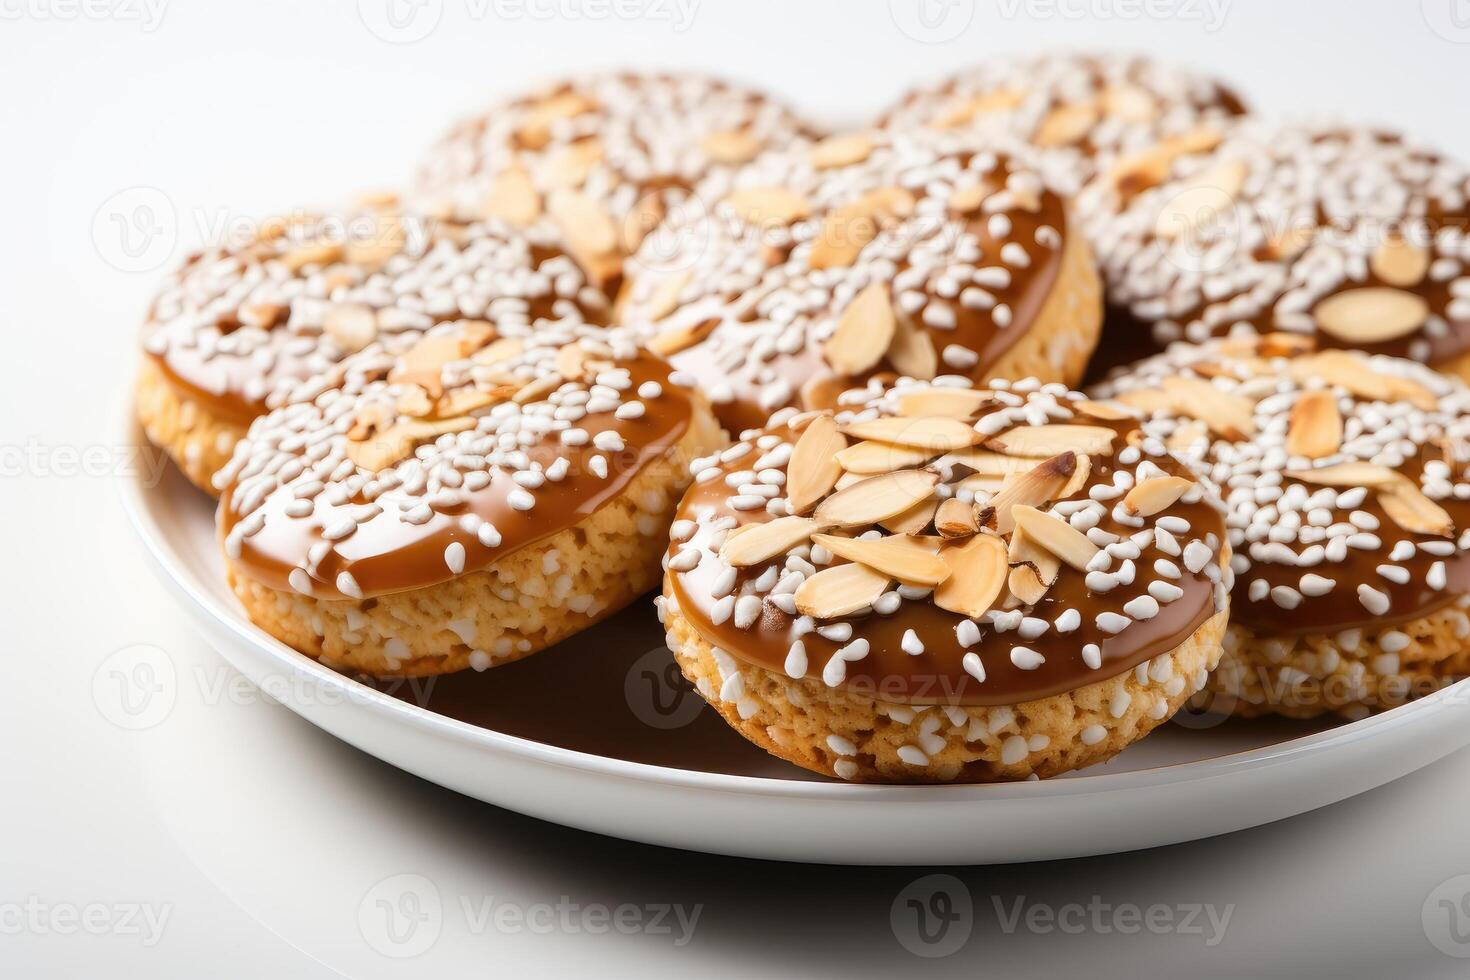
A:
{"points": [[947, 584], [460, 500], [598, 160], [1353, 237], [239, 331], [867, 256], [1083, 112], [1348, 500]]}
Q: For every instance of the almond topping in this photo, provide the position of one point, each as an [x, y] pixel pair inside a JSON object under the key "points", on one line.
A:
{"points": [[1152, 496], [1103, 410], [768, 205], [863, 333], [500, 350], [912, 521], [1348, 475], [1129, 103], [730, 146], [752, 544], [1406, 505], [1065, 124], [1056, 536], [840, 151], [911, 352], [898, 556], [1042, 441], [372, 250], [571, 164], [584, 224], [1232, 416], [1371, 315], [813, 469], [845, 233], [1079, 478], [987, 463], [323, 253], [535, 131], [962, 113], [840, 591], [513, 198], [535, 391], [954, 403], [352, 326], [956, 519], [1354, 375], [877, 498], [665, 296], [1202, 200], [977, 575], [1034, 570], [1315, 429], [681, 338], [873, 456], [929, 432], [1138, 172], [383, 449], [1030, 489], [642, 218], [1399, 263]]}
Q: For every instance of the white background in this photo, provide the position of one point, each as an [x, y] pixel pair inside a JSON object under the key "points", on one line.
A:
{"points": [[257, 836]]}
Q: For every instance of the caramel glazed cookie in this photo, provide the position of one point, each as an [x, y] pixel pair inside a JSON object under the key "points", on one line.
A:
{"points": [[1356, 238], [1345, 479], [463, 500], [1084, 112], [237, 332], [947, 584], [597, 161], [862, 258]]}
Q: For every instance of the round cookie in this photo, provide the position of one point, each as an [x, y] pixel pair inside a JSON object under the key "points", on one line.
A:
{"points": [[238, 331], [1082, 111], [947, 584], [598, 160], [1345, 480], [1353, 237], [862, 258], [461, 500]]}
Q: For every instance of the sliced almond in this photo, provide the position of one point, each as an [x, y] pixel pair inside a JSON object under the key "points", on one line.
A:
{"points": [[373, 249], [813, 469], [977, 575], [534, 131], [423, 363], [570, 360], [876, 499], [584, 223], [987, 463], [463, 401], [1140, 171], [911, 352], [1279, 344], [872, 456], [768, 205], [537, 390], [1065, 124], [1106, 411], [984, 487], [928, 432], [962, 113], [1353, 374], [1079, 478], [969, 198], [845, 233], [1201, 201], [863, 332], [1154, 495], [1406, 505], [503, 349], [319, 254], [1315, 429], [1042, 441], [912, 521], [954, 403], [513, 198], [898, 556], [956, 519], [1130, 103], [1348, 475], [1371, 314], [641, 219], [1184, 438], [1232, 416], [665, 296], [1034, 570], [840, 591], [752, 544], [1285, 244], [671, 342], [840, 151], [1056, 536], [730, 146], [848, 479], [352, 326], [1030, 489], [1399, 263], [383, 449], [571, 165]]}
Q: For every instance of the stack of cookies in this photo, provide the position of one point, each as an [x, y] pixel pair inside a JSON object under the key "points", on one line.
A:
{"points": [[823, 392]]}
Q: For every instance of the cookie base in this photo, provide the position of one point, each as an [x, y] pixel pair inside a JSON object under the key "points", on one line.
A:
{"points": [[199, 441]]}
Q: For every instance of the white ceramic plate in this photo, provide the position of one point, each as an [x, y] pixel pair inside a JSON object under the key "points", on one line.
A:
{"points": [[632, 752]]}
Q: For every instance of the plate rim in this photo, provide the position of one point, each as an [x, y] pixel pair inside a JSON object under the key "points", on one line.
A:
{"points": [[171, 567]]}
